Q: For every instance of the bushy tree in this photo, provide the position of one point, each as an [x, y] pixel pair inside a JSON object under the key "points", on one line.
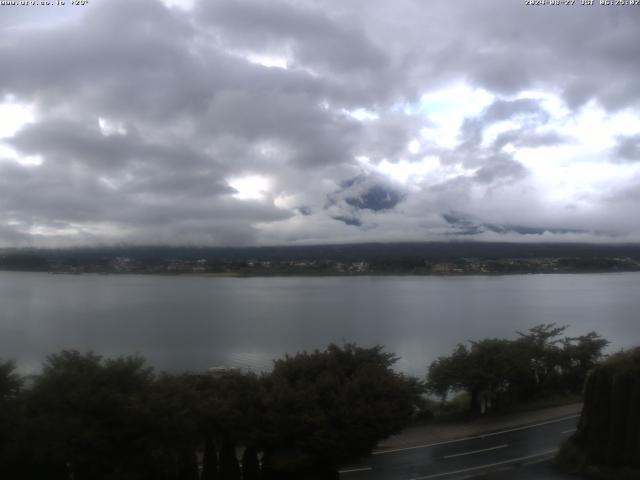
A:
{"points": [[499, 371], [579, 355], [608, 433], [541, 346], [229, 466], [84, 413], [90, 417], [448, 374], [328, 407], [11, 426], [489, 371], [172, 427], [230, 405], [96, 418], [210, 460], [10, 381], [250, 464]]}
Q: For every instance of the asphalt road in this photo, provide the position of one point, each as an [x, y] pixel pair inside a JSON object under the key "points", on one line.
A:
{"points": [[482, 456]]}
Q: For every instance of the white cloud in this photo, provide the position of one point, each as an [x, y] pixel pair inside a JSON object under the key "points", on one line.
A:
{"points": [[362, 114], [269, 61], [492, 132], [251, 187], [110, 127], [181, 4], [447, 108], [410, 172], [13, 116], [580, 172]]}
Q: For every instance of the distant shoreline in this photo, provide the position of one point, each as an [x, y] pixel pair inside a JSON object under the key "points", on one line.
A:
{"points": [[426, 259], [323, 275]]}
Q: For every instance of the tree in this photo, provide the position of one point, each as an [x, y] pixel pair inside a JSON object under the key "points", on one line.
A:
{"points": [[608, 434], [105, 419], [210, 460], [11, 424], [230, 406], [10, 381], [448, 374], [229, 467], [188, 465], [499, 371], [491, 373], [541, 345], [86, 413], [488, 371], [579, 356], [250, 464], [173, 427], [328, 407]]}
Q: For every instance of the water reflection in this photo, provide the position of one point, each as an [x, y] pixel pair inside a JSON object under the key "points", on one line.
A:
{"points": [[195, 323]]}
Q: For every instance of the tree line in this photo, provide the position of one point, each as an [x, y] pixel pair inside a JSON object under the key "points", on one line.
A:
{"points": [[89, 417], [499, 372]]}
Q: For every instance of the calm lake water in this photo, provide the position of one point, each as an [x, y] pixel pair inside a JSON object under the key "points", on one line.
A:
{"points": [[194, 323]]}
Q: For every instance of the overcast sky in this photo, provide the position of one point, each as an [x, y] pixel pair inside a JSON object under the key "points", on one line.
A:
{"points": [[246, 122]]}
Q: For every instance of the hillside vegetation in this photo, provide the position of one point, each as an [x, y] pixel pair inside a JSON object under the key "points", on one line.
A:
{"points": [[607, 442]]}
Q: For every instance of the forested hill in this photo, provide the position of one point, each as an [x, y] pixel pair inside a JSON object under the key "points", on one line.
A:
{"points": [[418, 258]]}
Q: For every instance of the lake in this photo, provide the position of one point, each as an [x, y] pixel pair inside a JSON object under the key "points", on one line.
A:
{"points": [[181, 323]]}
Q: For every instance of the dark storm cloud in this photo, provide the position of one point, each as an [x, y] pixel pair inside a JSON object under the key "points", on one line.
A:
{"points": [[147, 216], [388, 137], [506, 47], [317, 137], [466, 225], [362, 196], [363, 192], [126, 162], [82, 142], [491, 162], [312, 36], [628, 148], [525, 109], [499, 166], [463, 224], [351, 221], [111, 58], [375, 198], [588, 52], [531, 139], [506, 109], [191, 116]]}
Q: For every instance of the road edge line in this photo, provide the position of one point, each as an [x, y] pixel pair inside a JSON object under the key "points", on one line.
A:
{"points": [[354, 470], [475, 437], [472, 452], [489, 465]]}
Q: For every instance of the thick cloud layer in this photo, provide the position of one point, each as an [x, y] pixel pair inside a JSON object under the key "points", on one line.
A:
{"points": [[248, 122]]}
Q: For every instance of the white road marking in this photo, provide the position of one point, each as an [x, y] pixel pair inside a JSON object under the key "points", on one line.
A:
{"points": [[571, 430], [464, 439], [353, 470], [475, 451], [517, 429], [489, 465], [476, 437]]}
